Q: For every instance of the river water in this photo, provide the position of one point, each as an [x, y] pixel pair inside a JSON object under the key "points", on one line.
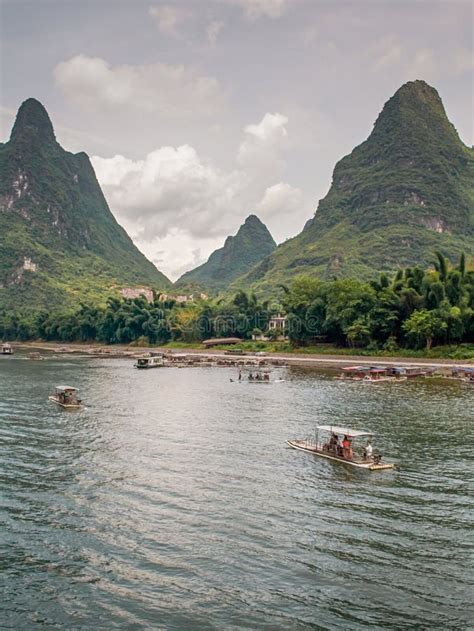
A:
{"points": [[173, 502]]}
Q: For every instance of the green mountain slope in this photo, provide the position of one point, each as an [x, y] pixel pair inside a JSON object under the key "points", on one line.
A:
{"points": [[405, 192], [59, 240], [240, 253]]}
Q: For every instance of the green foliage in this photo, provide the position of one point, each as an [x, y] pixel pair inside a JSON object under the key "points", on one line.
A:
{"points": [[53, 213], [424, 325], [404, 193], [382, 317], [415, 308]]}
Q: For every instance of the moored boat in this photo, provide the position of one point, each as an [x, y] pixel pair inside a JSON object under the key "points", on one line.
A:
{"points": [[35, 355], [66, 397], [152, 360], [378, 375], [465, 374], [340, 447], [369, 374], [7, 349], [407, 372]]}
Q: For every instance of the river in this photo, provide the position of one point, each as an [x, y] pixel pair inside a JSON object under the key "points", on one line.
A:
{"points": [[173, 502]]}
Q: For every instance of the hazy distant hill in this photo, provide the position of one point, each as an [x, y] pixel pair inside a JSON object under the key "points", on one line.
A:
{"points": [[405, 192], [239, 254], [59, 240]]}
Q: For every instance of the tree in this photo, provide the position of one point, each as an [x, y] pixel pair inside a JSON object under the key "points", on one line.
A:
{"points": [[424, 326], [462, 264], [347, 301], [358, 333], [441, 266]]}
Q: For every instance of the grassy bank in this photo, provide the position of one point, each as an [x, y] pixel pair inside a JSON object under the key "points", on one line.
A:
{"points": [[461, 352], [464, 352]]}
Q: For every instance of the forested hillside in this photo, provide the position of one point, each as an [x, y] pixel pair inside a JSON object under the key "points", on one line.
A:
{"points": [[405, 192], [59, 241]]}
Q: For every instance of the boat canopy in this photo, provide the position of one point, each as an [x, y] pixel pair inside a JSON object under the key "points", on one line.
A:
{"points": [[65, 389], [346, 431], [367, 369]]}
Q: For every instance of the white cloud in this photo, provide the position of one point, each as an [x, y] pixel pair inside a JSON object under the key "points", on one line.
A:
{"points": [[176, 201], [172, 91], [260, 152], [284, 209], [170, 188], [168, 18], [270, 128], [255, 9], [280, 197], [177, 253], [212, 31]]}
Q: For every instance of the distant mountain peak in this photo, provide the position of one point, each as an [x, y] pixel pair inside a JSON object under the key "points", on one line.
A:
{"points": [[419, 87], [253, 220], [414, 105], [251, 227], [32, 122], [240, 253]]}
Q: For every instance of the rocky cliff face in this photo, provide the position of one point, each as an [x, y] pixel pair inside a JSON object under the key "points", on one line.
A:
{"points": [[406, 191], [53, 215], [239, 254]]}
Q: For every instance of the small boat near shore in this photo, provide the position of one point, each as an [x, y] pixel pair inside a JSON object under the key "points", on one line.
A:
{"points": [[339, 447], [463, 374], [369, 374], [7, 349], [153, 360], [35, 355], [66, 397], [256, 376]]}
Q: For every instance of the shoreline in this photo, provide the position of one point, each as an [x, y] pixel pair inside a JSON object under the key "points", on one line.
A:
{"points": [[292, 359]]}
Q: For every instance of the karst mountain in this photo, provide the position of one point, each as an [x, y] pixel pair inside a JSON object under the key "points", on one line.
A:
{"points": [[252, 243], [59, 241], [404, 193]]}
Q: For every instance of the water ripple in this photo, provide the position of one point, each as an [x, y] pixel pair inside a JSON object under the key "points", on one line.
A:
{"points": [[172, 501]]}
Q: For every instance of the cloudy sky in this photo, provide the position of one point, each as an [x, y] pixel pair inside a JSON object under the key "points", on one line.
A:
{"points": [[198, 113]]}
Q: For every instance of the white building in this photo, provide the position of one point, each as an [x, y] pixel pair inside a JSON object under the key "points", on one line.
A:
{"points": [[278, 322]]}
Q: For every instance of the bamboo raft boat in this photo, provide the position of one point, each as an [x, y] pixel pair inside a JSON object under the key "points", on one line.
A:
{"points": [[331, 449], [66, 397]]}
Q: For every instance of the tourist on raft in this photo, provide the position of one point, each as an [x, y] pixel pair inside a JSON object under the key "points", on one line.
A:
{"points": [[347, 452], [368, 451]]}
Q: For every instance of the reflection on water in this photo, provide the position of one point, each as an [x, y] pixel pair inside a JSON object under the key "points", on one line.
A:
{"points": [[172, 501]]}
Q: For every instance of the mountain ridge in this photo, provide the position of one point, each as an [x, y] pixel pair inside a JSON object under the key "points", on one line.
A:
{"points": [[54, 215], [240, 252], [403, 193]]}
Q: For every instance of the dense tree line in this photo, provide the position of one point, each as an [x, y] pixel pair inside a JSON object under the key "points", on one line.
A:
{"points": [[122, 321], [416, 308]]}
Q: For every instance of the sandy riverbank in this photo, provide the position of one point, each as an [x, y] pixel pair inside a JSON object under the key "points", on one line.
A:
{"points": [[293, 359]]}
